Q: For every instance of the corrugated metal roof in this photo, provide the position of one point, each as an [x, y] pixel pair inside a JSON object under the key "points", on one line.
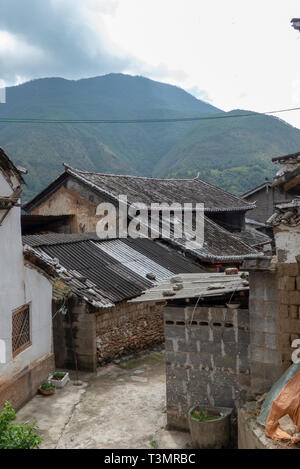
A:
{"points": [[107, 263], [194, 286], [133, 260]]}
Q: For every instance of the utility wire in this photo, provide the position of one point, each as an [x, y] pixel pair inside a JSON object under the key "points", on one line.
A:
{"points": [[137, 121]]}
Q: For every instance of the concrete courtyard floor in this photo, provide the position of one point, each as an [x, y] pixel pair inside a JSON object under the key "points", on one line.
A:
{"points": [[121, 406]]}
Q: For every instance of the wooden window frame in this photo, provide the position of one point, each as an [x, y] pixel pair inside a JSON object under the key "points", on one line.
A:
{"points": [[26, 345]]}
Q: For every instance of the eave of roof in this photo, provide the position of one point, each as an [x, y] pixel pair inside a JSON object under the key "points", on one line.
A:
{"points": [[8, 167], [257, 189], [285, 158], [45, 193]]}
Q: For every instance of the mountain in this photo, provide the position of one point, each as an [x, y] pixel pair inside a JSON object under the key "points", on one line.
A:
{"points": [[234, 153], [115, 148]]}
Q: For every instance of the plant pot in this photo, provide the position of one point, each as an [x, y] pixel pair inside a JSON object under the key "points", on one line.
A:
{"points": [[211, 434], [60, 383], [47, 392]]}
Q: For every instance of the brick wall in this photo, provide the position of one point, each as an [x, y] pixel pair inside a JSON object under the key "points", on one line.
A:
{"points": [[128, 328], [265, 359], [24, 386], [274, 307], [207, 362]]}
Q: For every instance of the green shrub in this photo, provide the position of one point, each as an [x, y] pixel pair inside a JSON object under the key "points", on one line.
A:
{"points": [[18, 435]]}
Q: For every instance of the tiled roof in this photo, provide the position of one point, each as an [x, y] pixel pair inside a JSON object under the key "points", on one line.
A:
{"points": [[253, 238], [9, 169], [106, 272], [219, 245], [153, 190], [287, 213], [263, 185], [285, 158], [150, 190]]}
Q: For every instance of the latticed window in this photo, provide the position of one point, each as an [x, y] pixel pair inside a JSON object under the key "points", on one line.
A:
{"points": [[20, 329]]}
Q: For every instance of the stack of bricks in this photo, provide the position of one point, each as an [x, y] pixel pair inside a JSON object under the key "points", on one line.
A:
{"points": [[274, 322], [288, 279], [265, 357]]}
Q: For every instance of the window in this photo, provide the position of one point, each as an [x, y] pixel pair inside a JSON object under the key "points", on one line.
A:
{"points": [[20, 329]]}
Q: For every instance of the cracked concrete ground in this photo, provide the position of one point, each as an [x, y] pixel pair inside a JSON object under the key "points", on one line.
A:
{"points": [[121, 406]]}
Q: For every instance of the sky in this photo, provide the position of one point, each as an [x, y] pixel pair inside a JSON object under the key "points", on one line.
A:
{"points": [[234, 54]]}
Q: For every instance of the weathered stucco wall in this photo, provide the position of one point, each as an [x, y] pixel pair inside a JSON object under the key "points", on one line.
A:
{"points": [[207, 362], [20, 285], [287, 240], [66, 202]]}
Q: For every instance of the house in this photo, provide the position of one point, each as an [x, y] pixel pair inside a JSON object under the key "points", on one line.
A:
{"points": [[274, 299], [26, 356], [285, 186], [287, 178], [207, 341], [265, 196], [93, 323], [77, 193]]}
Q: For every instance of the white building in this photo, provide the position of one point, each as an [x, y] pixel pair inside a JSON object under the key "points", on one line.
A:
{"points": [[25, 301]]}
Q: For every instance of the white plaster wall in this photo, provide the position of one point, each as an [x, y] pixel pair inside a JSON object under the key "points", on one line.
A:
{"points": [[287, 239], [20, 285]]}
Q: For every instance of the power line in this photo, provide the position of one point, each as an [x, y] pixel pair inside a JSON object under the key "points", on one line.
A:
{"points": [[8, 120]]}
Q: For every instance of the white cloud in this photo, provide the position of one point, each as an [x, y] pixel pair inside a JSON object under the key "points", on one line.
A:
{"points": [[236, 54]]}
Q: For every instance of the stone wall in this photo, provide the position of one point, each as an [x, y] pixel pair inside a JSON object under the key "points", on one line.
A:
{"points": [[102, 335], [128, 328], [207, 361]]}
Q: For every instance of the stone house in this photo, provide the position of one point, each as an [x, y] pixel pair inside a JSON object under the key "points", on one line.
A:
{"points": [[77, 193], [26, 356], [274, 302], [93, 323]]}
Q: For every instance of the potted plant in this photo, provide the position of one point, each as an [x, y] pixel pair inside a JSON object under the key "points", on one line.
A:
{"points": [[47, 389], [210, 427], [59, 379]]}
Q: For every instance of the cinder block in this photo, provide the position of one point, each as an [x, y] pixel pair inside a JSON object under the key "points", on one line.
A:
{"points": [[284, 297], [284, 311], [291, 269], [293, 311], [294, 297]]}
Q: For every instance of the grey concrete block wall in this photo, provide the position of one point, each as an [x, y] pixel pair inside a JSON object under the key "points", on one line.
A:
{"points": [[207, 359], [81, 338]]}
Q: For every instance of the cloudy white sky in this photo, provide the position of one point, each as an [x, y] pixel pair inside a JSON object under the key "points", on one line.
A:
{"points": [[234, 54]]}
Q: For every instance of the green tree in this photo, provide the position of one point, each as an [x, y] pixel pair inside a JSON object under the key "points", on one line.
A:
{"points": [[18, 435]]}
